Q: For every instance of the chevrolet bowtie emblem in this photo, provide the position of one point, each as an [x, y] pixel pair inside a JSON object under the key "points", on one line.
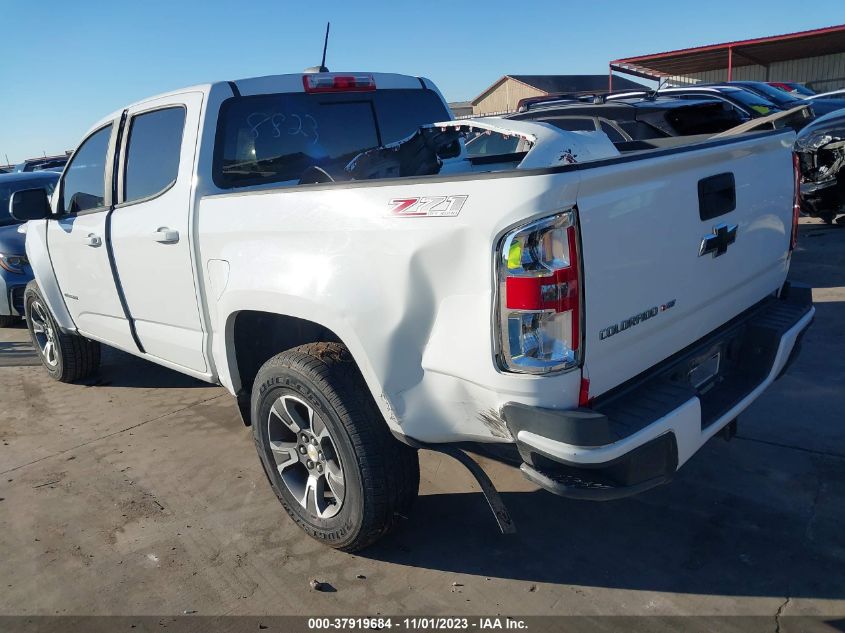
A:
{"points": [[717, 242]]}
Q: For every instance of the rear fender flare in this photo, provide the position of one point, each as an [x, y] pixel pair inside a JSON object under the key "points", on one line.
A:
{"points": [[234, 302]]}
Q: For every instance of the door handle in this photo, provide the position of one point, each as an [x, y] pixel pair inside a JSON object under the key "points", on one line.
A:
{"points": [[165, 235], [93, 240]]}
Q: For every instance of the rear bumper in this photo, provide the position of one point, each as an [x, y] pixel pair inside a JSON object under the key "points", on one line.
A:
{"points": [[638, 435]]}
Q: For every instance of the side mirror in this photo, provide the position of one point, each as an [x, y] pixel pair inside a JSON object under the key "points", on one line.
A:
{"points": [[30, 204]]}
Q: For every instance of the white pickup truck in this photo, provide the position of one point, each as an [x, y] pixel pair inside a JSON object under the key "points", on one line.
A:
{"points": [[594, 312]]}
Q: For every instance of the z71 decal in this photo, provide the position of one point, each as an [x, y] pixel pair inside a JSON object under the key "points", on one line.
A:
{"points": [[432, 206]]}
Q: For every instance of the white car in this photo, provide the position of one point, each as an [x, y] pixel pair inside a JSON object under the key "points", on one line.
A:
{"points": [[832, 94], [364, 288]]}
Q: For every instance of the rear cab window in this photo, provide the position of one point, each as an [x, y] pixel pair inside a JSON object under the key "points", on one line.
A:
{"points": [[275, 138]]}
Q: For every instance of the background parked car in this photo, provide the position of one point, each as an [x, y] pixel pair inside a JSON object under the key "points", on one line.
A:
{"points": [[793, 88], [751, 103], [786, 100], [646, 117], [832, 94], [821, 150], [15, 272], [625, 121], [47, 163]]}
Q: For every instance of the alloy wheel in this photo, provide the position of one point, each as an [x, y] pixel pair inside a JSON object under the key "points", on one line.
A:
{"points": [[306, 456], [42, 330]]}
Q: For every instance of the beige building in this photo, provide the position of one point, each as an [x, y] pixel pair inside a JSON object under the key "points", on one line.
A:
{"points": [[815, 58], [505, 94]]}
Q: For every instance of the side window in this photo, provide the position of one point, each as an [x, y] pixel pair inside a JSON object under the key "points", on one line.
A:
{"points": [[491, 144], [152, 154], [84, 184]]}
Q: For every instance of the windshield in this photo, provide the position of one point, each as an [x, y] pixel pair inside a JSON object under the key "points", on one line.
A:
{"points": [[801, 90], [755, 102], [776, 95], [276, 137]]}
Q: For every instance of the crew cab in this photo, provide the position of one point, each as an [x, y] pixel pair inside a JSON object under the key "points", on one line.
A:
{"points": [[323, 247]]}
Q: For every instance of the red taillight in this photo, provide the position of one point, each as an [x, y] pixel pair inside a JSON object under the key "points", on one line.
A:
{"points": [[539, 296], [319, 82], [557, 291], [796, 199]]}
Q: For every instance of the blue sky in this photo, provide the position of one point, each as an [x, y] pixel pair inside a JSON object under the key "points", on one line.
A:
{"points": [[63, 65]]}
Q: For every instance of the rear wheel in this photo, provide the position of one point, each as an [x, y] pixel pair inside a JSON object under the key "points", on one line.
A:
{"points": [[324, 445], [66, 357]]}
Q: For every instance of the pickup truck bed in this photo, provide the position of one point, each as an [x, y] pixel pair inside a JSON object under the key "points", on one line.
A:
{"points": [[603, 313]]}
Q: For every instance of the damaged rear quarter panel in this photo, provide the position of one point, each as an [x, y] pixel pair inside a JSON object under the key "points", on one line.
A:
{"points": [[410, 296]]}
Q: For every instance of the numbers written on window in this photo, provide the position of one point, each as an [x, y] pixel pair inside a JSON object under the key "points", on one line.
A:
{"points": [[152, 154], [84, 183], [276, 138]]}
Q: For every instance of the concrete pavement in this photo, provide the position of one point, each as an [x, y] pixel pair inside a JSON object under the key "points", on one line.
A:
{"points": [[140, 493]]}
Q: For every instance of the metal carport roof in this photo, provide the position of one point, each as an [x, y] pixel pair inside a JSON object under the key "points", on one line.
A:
{"points": [[761, 51]]}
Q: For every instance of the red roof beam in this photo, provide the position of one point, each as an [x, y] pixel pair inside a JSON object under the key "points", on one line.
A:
{"points": [[839, 28]]}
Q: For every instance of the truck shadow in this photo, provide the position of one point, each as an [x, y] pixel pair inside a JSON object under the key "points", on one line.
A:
{"points": [[119, 369], [682, 542], [819, 260], [17, 354]]}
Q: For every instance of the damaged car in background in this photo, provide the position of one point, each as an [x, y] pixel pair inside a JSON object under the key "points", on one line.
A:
{"points": [[820, 148], [819, 145], [636, 122]]}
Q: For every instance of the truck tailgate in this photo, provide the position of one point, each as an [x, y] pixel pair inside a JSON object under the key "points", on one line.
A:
{"points": [[648, 290]]}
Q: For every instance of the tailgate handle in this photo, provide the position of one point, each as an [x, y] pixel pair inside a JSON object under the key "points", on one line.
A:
{"points": [[716, 196]]}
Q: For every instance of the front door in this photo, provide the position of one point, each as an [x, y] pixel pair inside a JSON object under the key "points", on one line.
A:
{"points": [[78, 242]]}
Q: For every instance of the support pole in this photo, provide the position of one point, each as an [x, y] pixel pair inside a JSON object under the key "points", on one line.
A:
{"points": [[730, 63]]}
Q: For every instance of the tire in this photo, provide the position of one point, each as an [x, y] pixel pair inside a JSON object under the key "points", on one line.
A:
{"points": [[66, 357], [380, 475], [8, 320]]}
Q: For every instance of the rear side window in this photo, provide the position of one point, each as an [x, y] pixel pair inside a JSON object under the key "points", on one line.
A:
{"points": [[275, 138], [84, 183], [152, 153]]}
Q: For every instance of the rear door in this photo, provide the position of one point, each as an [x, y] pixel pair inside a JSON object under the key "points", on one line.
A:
{"points": [[150, 228], [78, 242], [676, 245]]}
